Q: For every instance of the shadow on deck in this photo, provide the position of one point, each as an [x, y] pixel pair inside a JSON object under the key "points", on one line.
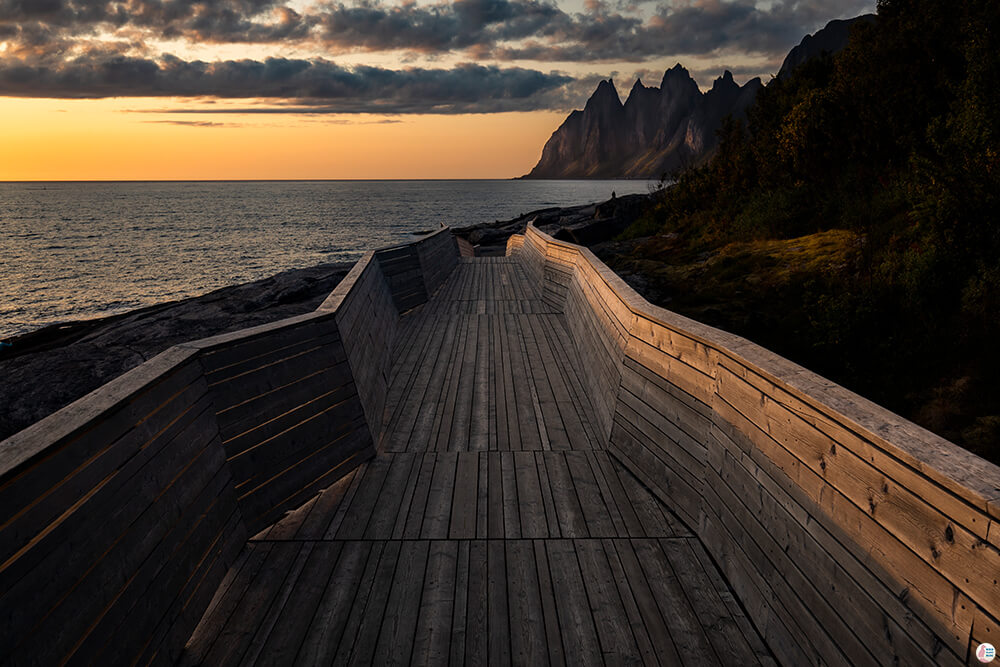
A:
{"points": [[492, 526], [506, 460]]}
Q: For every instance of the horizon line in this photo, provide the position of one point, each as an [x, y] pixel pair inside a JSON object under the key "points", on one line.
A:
{"points": [[298, 180]]}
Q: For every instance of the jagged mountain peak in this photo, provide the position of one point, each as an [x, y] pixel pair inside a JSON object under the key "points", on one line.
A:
{"points": [[677, 71], [830, 39], [754, 85], [677, 81], [656, 130], [725, 82], [641, 94], [605, 96], [607, 87]]}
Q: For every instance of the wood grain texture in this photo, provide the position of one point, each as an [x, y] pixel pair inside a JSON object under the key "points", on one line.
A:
{"points": [[491, 527], [121, 534], [565, 473], [849, 533], [122, 513]]}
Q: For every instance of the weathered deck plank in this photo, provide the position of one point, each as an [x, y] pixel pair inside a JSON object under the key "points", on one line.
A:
{"points": [[493, 527]]}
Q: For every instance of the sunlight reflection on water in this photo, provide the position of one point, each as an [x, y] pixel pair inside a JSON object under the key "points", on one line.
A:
{"points": [[77, 250]]}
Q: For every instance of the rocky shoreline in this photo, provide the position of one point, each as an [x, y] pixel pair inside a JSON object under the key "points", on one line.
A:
{"points": [[586, 225], [47, 369]]}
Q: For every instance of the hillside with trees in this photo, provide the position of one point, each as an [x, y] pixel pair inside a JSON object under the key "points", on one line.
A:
{"points": [[852, 222]]}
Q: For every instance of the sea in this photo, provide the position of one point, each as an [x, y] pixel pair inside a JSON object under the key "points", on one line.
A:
{"points": [[78, 250]]}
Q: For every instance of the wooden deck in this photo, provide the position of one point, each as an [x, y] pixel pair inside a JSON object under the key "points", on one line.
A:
{"points": [[492, 527]]}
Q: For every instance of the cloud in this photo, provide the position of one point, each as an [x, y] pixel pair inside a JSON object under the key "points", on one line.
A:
{"points": [[440, 28], [343, 121], [318, 111], [605, 32], [108, 48], [709, 27], [192, 123], [162, 14], [465, 88], [497, 29]]}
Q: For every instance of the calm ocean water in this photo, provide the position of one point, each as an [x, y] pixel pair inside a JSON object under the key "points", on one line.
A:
{"points": [[78, 250]]}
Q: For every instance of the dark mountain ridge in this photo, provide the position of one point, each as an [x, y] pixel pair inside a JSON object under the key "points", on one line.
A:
{"points": [[655, 131], [852, 225], [659, 130], [831, 39]]}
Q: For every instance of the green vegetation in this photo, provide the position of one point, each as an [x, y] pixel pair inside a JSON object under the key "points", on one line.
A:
{"points": [[853, 222]]}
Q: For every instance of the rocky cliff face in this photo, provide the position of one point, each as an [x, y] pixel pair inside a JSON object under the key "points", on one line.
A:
{"points": [[51, 367], [659, 130], [832, 38], [656, 131]]}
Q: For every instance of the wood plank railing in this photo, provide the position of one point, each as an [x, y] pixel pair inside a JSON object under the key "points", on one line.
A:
{"points": [[851, 535], [121, 513], [415, 270]]}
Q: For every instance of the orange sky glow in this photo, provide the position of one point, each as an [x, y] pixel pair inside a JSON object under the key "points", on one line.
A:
{"points": [[125, 139], [352, 89]]}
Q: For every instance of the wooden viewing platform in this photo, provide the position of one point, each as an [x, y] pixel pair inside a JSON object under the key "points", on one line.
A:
{"points": [[511, 460], [492, 526]]}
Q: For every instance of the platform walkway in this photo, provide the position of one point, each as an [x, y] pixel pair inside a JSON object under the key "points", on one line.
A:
{"points": [[491, 528]]}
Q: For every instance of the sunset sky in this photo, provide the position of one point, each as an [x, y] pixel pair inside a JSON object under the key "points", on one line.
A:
{"points": [[220, 89]]}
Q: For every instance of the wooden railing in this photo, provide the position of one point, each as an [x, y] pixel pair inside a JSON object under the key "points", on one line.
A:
{"points": [[851, 535], [121, 513]]}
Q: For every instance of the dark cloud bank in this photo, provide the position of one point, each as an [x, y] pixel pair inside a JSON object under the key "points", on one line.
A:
{"points": [[462, 89], [60, 48]]}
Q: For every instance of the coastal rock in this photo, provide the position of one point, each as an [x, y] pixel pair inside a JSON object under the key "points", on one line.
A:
{"points": [[586, 224], [50, 368]]}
